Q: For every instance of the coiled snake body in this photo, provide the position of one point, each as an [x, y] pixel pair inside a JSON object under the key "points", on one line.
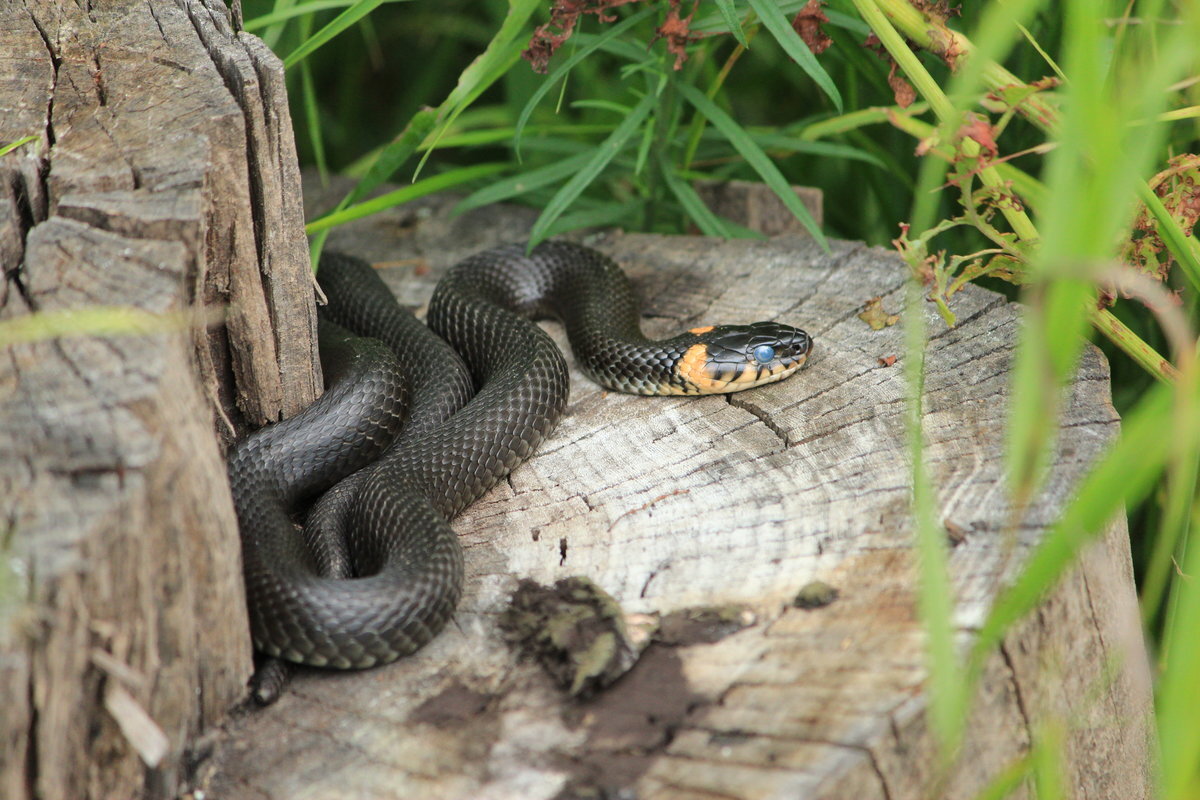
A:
{"points": [[397, 576]]}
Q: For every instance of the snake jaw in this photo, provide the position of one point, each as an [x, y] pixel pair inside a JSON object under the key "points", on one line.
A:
{"points": [[732, 358]]}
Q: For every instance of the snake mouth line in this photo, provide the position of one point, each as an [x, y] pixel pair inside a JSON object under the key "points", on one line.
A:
{"points": [[700, 372]]}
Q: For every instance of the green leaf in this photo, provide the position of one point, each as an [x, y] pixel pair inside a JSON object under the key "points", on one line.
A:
{"points": [[732, 22], [603, 105], [776, 141], [312, 116], [474, 81], [274, 31], [948, 686], [708, 222], [603, 154], [631, 50], [285, 12], [437, 183], [102, 321], [562, 69], [781, 28], [501, 135], [599, 216], [1178, 734], [501, 54], [1122, 477], [392, 156], [8, 148], [517, 185], [337, 25], [717, 23], [755, 157]]}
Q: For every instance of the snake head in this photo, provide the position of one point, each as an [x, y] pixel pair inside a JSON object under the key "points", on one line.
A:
{"points": [[730, 358]]}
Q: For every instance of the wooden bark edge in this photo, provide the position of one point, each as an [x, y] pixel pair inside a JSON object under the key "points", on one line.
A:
{"points": [[164, 178]]}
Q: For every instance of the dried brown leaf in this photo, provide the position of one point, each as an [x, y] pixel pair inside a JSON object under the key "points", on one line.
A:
{"points": [[807, 24]]}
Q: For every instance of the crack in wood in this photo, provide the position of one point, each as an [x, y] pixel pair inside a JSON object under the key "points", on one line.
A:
{"points": [[163, 34], [1016, 684], [98, 80], [762, 415]]}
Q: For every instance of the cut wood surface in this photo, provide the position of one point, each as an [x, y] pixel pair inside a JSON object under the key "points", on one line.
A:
{"points": [[162, 178], [707, 517]]}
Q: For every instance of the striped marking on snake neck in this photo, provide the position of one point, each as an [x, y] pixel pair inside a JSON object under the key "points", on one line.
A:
{"points": [[698, 376], [693, 373]]}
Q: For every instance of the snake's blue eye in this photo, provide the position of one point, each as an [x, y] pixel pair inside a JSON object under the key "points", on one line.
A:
{"points": [[764, 353]]}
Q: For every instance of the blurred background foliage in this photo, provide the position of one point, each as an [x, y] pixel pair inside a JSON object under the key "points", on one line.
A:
{"points": [[1038, 160]]}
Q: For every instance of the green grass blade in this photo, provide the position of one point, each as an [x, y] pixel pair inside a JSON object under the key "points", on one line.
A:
{"points": [[1049, 759], [604, 105], [935, 595], [504, 134], [562, 69], [517, 185], [600, 158], [1178, 733], [1055, 323], [1173, 529], [714, 22], [781, 28], [8, 148], [732, 22], [1123, 476], [1010, 779], [437, 183], [502, 52], [1045, 56], [284, 12], [776, 141], [103, 321], [855, 120], [600, 216], [755, 157], [274, 31], [392, 156], [337, 25], [387, 162], [312, 112], [838, 19], [475, 80], [708, 222]]}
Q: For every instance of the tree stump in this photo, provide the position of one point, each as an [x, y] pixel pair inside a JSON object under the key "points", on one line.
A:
{"points": [[163, 178], [707, 520]]}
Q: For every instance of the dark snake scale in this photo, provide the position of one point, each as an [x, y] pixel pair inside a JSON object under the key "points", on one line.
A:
{"points": [[422, 433]]}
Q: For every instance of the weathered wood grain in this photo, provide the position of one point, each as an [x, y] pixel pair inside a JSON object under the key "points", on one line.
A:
{"points": [[678, 504], [163, 178]]}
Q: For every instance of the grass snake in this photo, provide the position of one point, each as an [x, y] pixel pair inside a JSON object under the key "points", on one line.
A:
{"points": [[424, 420]]}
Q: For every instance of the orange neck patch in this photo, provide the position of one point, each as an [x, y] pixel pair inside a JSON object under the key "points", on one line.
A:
{"points": [[691, 369]]}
